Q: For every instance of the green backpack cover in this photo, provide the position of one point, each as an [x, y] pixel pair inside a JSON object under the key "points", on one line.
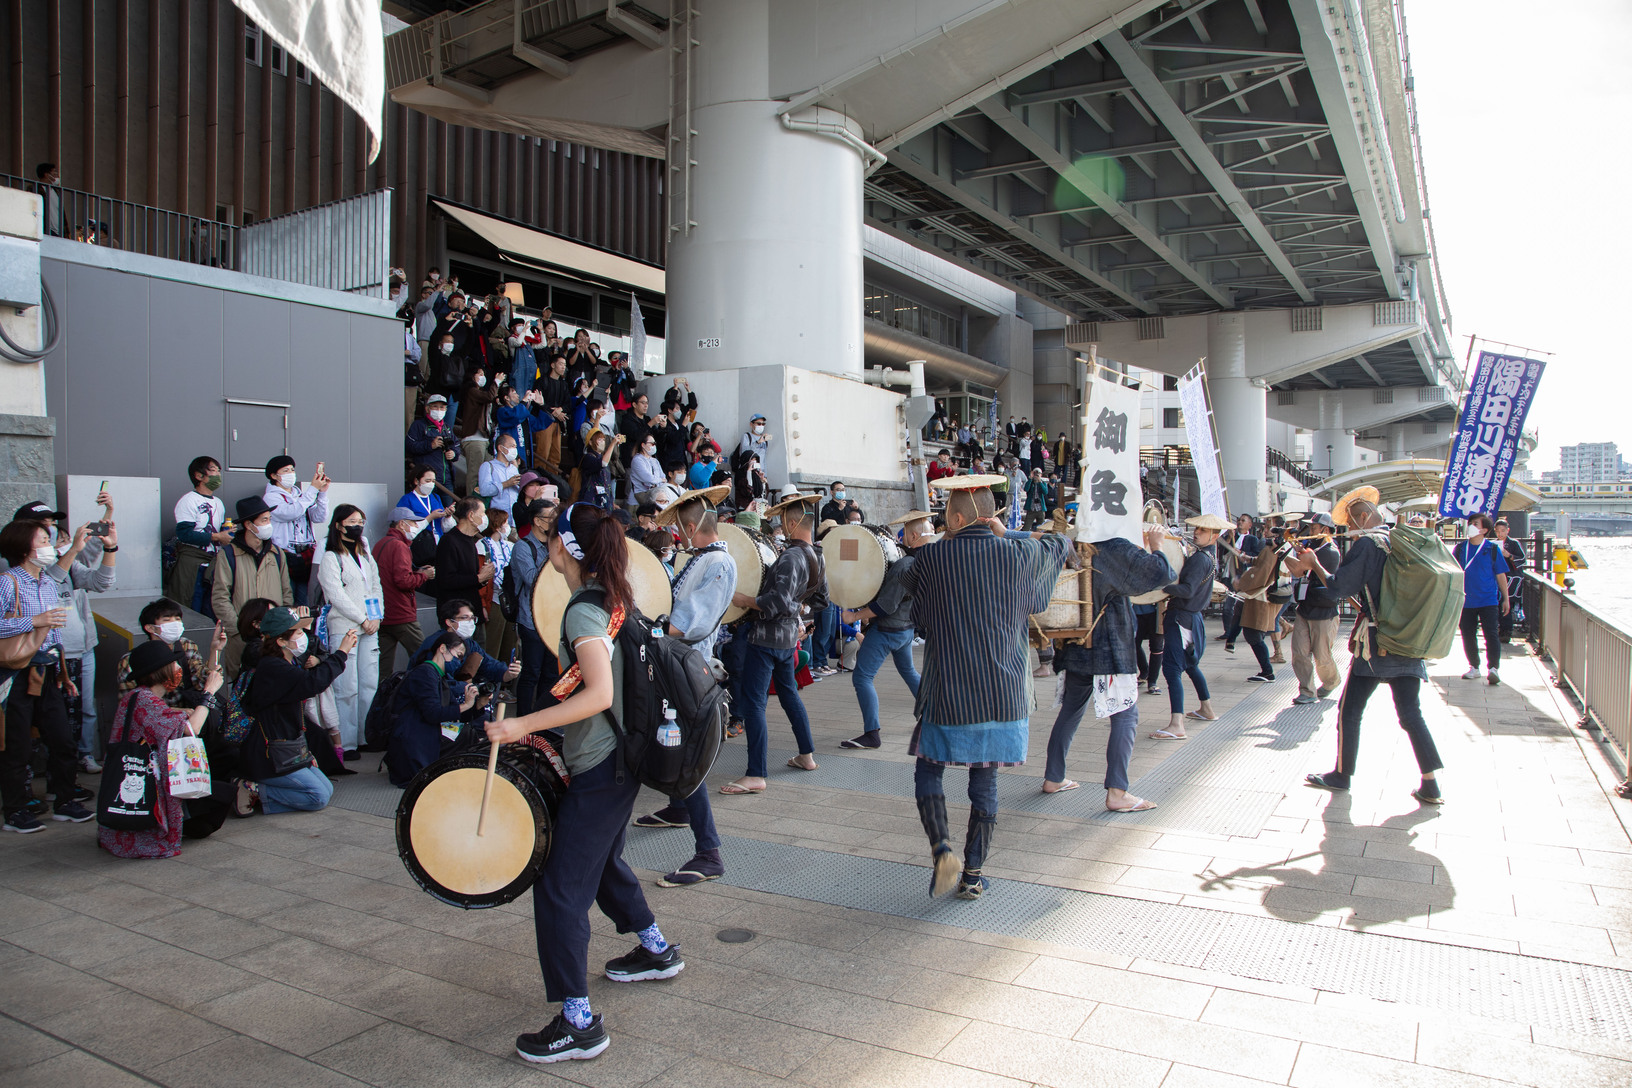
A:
{"points": [[1421, 609]]}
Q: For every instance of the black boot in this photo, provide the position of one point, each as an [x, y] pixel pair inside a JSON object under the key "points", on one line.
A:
{"points": [[982, 825], [932, 811]]}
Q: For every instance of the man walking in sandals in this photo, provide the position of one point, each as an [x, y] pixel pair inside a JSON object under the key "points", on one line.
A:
{"points": [[1185, 635]]}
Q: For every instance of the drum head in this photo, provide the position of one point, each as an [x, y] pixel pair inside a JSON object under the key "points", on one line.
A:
{"points": [[754, 552], [646, 577], [857, 557], [1174, 551], [436, 830]]}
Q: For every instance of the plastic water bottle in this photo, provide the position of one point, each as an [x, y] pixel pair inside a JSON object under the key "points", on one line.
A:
{"points": [[669, 755], [668, 735]]}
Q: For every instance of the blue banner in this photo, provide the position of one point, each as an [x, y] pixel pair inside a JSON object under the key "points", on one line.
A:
{"points": [[1487, 439]]}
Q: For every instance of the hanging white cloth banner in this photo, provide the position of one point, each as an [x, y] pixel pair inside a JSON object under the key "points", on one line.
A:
{"points": [[342, 43], [1109, 502], [637, 337], [1201, 431]]}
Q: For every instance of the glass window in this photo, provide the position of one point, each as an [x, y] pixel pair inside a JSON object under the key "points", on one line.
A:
{"points": [[1170, 383], [1172, 417], [615, 313], [252, 44], [572, 305]]}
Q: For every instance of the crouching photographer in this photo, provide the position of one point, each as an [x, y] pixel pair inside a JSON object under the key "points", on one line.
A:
{"points": [[437, 703]]}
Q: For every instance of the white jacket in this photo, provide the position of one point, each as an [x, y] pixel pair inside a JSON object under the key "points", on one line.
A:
{"points": [[347, 584]]}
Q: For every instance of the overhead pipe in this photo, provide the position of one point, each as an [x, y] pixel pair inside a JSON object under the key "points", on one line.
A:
{"points": [[912, 378], [885, 345], [872, 157]]}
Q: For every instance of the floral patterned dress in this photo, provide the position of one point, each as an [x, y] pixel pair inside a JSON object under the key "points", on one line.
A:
{"points": [[156, 723]]}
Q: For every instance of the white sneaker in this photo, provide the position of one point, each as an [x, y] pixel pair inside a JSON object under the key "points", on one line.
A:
{"points": [[1471, 674], [89, 765], [1494, 679]]}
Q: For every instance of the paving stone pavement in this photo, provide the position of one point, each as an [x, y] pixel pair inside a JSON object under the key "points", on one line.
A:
{"points": [[295, 950]]}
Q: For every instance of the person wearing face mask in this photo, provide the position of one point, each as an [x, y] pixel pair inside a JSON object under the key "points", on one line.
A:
{"points": [[620, 382], [475, 420], [400, 580], [701, 473], [1486, 600], [200, 529], [460, 618], [670, 436], [146, 715], [889, 631], [251, 566], [421, 498], [31, 604], [497, 547], [431, 440], [749, 484], [645, 471], [594, 470], [523, 342], [447, 366], [839, 505], [350, 577], [161, 620], [434, 710], [499, 480], [283, 681], [511, 415], [635, 424], [461, 569], [528, 558], [297, 512], [756, 439]]}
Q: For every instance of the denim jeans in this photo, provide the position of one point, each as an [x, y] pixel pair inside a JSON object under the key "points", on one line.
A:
{"points": [[1351, 708], [1179, 661], [926, 782], [734, 656], [306, 790], [528, 684], [701, 816], [870, 658], [1486, 619], [90, 740], [1260, 649], [827, 625], [1079, 693], [763, 666]]}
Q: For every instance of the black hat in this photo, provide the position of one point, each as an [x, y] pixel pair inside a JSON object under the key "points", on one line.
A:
{"points": [[38, 511], [281, 461], [646, 510], [149, 657], [251, 508]]}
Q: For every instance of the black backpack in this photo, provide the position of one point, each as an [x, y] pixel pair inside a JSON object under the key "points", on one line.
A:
{"points": [[382, 712], [659, 674], [510, 589]]}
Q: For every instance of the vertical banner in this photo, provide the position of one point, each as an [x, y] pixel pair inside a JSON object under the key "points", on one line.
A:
{"points": [[1109, 502], [991, 430], [1202, 435], [1487, 438], [637, 338]]}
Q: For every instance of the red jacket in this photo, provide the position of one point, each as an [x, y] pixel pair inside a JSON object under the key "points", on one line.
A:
{"points": [[398, 578]]}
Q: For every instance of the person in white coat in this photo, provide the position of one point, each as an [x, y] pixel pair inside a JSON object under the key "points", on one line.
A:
{"points": [[351, 587]]}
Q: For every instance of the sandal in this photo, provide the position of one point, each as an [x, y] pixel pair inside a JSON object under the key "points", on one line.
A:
{"points": [[1162, 734], [732, 789], [796, 765], [1062, 787], [1142, 806]]}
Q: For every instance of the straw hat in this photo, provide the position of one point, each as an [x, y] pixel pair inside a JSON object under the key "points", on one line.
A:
{"points": [[787, 501], [911, 516], [1363, 493], [1207, 521], [710, 495], [827, 523], [968, 483]]}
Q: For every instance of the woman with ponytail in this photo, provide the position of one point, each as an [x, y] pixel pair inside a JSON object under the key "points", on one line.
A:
{"points": [[586, 865]]}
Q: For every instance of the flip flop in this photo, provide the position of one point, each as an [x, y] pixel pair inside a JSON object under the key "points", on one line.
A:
{"points": [[731, 789], [1066, 785], [1162, 734], [1142, 806], [796, 765], [1199, 717]]}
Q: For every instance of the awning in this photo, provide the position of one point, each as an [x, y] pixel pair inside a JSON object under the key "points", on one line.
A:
{"points": [[1407, 482], [550, 251]]}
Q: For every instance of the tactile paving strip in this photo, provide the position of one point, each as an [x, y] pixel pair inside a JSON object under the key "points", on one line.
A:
{"points": [[367, 792], [1574, 997]]}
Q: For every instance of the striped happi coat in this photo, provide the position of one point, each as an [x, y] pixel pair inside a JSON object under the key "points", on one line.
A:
{"points": [[973, 595]]}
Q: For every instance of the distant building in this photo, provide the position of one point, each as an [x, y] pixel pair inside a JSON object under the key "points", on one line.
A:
{"points": [[1590, 463]]}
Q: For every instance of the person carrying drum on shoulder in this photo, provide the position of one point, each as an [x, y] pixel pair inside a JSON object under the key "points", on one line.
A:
{"points": [[1185, 635], [772, 651], [974, 593], [889, 631], [1314, 627], [1360, 575], [586, 865], [702, 595], [1105, 671]]}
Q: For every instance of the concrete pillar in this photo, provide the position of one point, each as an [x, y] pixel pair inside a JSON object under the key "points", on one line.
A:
{"points": [[1397, 449], [1240, 408], [1333, 447], [772, 272]]}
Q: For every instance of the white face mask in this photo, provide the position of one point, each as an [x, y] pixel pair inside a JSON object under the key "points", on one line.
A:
{"points": [[45, 556], [507, 454], [759, 428], [648, 450], [465, 628], [170, 630], [481, 380], [1475, 534], [300, 643], [481, 526], [427, 487], [257, 531], [437, 414], [413, 529], [287, 480], [668, 556], [447, 349]]}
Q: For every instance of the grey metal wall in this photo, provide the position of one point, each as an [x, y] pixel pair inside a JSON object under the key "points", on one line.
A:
{"points": [[139, 382]]}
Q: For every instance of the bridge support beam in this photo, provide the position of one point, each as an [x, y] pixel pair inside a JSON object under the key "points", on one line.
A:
{"points": [[1240, 409], [1332, 447]]}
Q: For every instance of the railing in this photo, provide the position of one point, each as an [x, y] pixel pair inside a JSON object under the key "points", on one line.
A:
{"points": [[1591, 655], [900, 312], [344, 245], [1275, 459], [137, 228]]}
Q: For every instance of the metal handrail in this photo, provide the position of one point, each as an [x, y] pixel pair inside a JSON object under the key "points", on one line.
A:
{"points": [[136, 228], [1276, 459], [1591, 656]]}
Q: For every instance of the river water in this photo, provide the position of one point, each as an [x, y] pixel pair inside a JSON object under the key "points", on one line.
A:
{"points": [[1606, 585]]}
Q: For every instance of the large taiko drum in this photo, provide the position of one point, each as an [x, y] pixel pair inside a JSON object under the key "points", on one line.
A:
{"points": [[856, 557], [647, 578], [1173, 549], [436, 824], [754, 553]]}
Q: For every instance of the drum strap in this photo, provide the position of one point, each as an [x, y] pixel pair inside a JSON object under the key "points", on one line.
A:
{"points": [[680, 579], [574, 676]]}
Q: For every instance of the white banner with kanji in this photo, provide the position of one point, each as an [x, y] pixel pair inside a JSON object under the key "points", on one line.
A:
{"points": [[1109, 502], [1199, 430]]}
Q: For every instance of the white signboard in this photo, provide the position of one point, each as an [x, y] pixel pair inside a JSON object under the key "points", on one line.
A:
{"points": [[1109, 502], [1198, 428]]}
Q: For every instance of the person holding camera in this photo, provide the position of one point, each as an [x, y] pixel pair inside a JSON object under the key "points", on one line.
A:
{"points": [[459, 617], [433, 709], [276, 753], [297, 511], [461, 569]]}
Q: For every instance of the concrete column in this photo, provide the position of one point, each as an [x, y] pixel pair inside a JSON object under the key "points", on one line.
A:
{"points": [[1333, 447], [1397, 449], [772, 272], [1240, 408]]}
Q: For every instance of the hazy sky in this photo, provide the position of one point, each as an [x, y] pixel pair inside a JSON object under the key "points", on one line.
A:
{"points": [[1524, 110]]}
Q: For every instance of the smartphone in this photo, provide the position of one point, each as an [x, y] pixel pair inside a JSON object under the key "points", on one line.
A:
{"points": [[320, 468], [98, 528]]}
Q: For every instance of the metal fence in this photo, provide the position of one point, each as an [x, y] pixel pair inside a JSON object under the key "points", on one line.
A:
{"points": [[344, 245], [1591, 654], [909, 315], [137, 228]]}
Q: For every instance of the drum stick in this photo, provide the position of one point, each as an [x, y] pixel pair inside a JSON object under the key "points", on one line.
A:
{"points": [[492, 769]]}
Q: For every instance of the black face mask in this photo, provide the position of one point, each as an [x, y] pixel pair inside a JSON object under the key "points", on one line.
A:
{"points": [[351, 532]]}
